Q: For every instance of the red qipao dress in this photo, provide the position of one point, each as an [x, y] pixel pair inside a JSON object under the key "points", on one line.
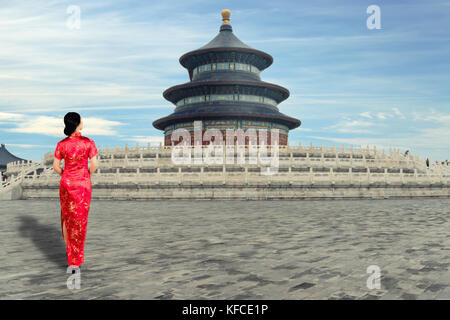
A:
{"points": [[75, 192]]}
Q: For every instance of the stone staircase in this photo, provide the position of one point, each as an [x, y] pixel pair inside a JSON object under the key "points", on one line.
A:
{"points": [[9, 188]]}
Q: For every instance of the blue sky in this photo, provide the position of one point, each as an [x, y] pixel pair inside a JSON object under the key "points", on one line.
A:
{"points": [[349, 85]]}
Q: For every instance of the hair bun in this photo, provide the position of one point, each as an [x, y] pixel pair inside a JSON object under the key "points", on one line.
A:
{"points": [[68, 130]]}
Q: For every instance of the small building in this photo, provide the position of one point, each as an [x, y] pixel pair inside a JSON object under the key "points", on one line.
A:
{"points": [[225, 90], [7, 157]]}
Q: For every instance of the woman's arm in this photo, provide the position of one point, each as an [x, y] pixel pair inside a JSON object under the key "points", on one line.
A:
{"points": [[94, 165], [57, 166]]}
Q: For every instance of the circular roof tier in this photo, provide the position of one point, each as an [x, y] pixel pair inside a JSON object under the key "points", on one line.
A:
{"points": [[226, 47], [228, 113], [270, 90]]}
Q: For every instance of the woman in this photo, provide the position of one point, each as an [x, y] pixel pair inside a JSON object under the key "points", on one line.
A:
{"points": [[75, 185]]}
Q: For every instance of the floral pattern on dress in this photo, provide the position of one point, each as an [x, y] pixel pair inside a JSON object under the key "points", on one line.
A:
{"points": [[75, 190]]}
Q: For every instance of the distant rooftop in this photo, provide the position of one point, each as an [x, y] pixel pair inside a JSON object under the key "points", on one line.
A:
{"points": [[7, 157]]}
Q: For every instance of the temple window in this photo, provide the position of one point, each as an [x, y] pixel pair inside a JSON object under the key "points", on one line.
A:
{"points": [[226, 97], [225, 66]]}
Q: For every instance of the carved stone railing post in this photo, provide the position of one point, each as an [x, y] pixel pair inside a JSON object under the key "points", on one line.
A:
{"points": [[116, 180], [158, 175], [201, 174], [350, 175], [246, 175], [224, 174]]}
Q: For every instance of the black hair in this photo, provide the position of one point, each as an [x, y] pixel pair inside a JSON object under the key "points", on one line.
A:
{"points": [[71, 120]]}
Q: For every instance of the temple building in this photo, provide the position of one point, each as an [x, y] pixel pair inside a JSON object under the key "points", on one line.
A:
{"points": [[225, 90]]}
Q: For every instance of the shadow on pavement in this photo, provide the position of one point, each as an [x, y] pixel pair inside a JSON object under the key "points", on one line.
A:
{"points": [[46, 238]]}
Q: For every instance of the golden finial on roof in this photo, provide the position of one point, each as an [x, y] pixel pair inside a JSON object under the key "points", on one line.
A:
{"points": [[226, 16]]}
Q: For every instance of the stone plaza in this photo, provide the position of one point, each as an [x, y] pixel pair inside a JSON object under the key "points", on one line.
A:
{"points": [[231, 250]]}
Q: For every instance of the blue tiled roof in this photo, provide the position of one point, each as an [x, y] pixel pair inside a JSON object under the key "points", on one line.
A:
{"points": [[7, 157]]}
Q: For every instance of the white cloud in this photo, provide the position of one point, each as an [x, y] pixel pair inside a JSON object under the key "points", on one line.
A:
{"points": [[10, 116], [41, 125], [53, 126], [146, 139], [23, 145], [99, 126], [352, 126], [366, 115], [357, 123], [436, 117], [398, 113]]}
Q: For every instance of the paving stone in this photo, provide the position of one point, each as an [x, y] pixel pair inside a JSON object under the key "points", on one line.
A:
{"points": [[231, 250]]}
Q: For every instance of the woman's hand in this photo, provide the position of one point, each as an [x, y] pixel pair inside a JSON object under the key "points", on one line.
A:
{"points": [[57, 166]]}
